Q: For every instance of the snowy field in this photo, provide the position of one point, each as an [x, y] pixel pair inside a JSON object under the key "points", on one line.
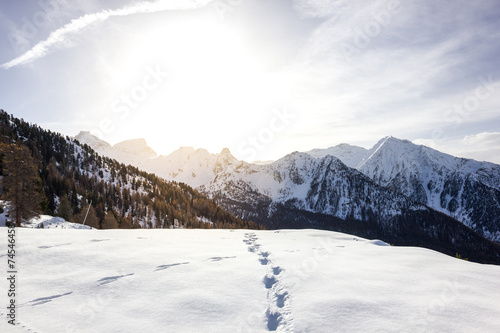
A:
{"points": [[241, 281]]}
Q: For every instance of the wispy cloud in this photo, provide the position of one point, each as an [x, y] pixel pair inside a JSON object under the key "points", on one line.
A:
{"points": [[483, 146], [59, 37], [375, 68]]}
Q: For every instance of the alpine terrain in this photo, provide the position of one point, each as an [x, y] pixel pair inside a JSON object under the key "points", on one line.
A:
{"points": [[319, 190]]}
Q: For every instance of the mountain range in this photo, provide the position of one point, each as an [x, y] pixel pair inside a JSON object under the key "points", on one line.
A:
{"points": [[77, 184], [397, 191], [464, 189]]}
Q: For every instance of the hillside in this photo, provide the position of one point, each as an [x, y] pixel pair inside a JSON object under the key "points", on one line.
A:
{"points": [[464, 189], [74, 174], [304, 191]]}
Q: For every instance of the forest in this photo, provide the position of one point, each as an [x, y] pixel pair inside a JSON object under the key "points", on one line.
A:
{"points": [[65, 178]]}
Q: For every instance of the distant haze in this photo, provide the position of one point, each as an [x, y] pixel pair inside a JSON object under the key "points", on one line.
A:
{"points": [[262, 78]]}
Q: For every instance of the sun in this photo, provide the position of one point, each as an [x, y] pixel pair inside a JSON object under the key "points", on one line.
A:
{"points": [[216, 85]]}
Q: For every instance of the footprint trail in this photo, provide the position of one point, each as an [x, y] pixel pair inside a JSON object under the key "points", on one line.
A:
{"points": [[278, 311]]}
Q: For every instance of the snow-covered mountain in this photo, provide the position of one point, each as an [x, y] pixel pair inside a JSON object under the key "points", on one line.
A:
{"points": [[78, 184], [320, 184], [186, 165], [465, 189], [349, 154], [137, 147], [134, 152], [311, 191]]}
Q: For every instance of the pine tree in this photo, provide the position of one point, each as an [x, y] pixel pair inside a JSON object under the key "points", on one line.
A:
{"points": [[126, 222], [21, 182], [92, 219], [110, 221], [64, 209]]}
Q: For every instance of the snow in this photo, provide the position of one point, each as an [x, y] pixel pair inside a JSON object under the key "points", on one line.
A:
{"points": [[50, 222], [41, 221], [421, 173], [136, 147], [350, 155], [242, 281], [134, 152]]}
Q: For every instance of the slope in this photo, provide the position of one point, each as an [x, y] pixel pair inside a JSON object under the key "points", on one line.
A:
{"points": [[465, 189], [130, 198], [300, 191], [243, 281]]}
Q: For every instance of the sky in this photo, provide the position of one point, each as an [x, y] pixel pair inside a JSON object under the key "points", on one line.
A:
{"points": [[262, 78]]}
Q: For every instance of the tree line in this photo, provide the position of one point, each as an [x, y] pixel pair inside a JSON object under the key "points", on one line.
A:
{"points": [[46, 172]]}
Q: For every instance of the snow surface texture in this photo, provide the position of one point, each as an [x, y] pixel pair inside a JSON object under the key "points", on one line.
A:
{"points": [[242, 281]]}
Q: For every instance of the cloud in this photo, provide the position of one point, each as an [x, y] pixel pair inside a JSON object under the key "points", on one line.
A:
{"points": [[484, 146], [375, 68], [60, 36], [318, 8]]}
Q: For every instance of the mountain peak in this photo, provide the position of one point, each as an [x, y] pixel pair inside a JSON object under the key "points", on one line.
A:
{"points": [[393, 139], [88, 138], [226, 157], [136, 147], [350, 155], [84, 133]]}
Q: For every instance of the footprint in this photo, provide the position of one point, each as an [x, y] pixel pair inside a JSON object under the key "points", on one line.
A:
{"points": [[273, 320], [264, 261], [163, 267], [280, 300], [110, 279], [43, 300], [49, 246], [277, 270], [253, 248], [269, 281], [99, 240], [220, 258], [265, 254]]}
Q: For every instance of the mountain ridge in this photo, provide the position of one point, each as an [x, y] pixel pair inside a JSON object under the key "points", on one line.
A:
{"points": [[303, 191], [464, 189], [73, 176]]}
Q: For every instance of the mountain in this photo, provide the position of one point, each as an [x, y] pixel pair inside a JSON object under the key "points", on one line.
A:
{"points": [[465, 189], [301, 191], [349, 154], [137, 147], [134, 152], [72, 176], [187, 165]]}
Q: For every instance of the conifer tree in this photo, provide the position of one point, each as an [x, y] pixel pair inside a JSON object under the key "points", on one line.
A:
{"points": [[21, 182], [110, 221], [126, 222], [92, 219], [64, 209]]}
